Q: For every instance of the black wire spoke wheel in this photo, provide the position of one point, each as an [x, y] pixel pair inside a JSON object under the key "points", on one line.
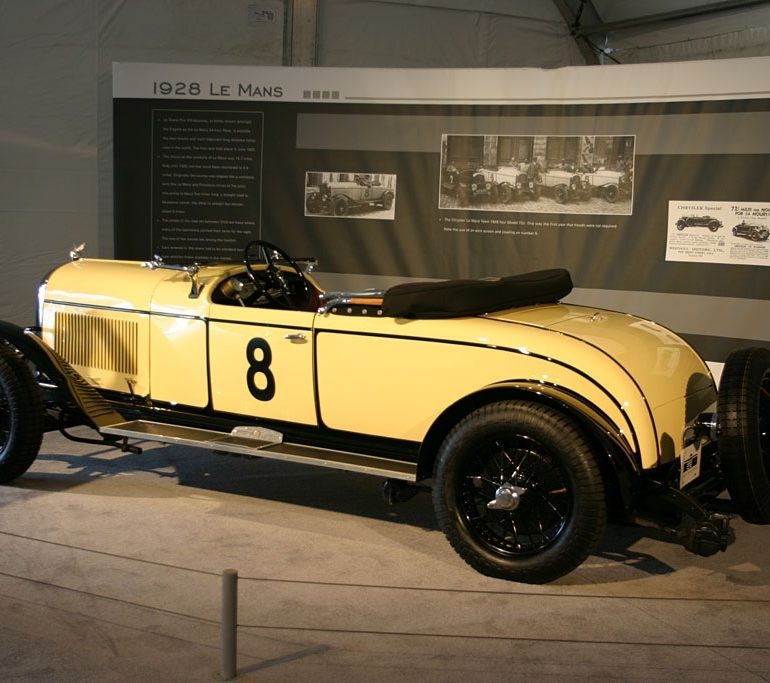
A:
{"points": [[514, 495], [518, 492]]}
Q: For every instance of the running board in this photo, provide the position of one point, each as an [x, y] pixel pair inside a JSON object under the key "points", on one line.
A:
{"points": [[264, 443]]}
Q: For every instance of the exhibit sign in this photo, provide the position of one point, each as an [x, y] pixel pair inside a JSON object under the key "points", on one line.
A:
{"points": [[445, 173]]}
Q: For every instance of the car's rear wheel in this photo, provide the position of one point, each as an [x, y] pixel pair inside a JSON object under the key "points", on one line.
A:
{"points": [[744, 431], [340, 206], [518, 493], [714, 226], [21, 415]]}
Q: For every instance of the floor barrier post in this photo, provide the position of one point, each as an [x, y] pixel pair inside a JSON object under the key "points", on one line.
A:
{"points": [[228, 633]]}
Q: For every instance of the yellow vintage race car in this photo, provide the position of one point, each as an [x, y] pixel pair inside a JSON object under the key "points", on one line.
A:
{"points": [[532, 421]]}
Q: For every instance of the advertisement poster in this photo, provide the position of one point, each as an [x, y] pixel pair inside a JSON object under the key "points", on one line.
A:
{"points": [[719, 232]]}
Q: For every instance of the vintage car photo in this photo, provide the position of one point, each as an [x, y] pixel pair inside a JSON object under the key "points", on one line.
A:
{"points": [[563, 185], [592, 174], [532, 422], [609, 184], [752, 231], [516, 183], [367, 195], [470, 184], [709, 222]]}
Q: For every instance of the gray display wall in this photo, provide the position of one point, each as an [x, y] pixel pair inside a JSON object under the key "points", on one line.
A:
{"points": [[391, 174]]}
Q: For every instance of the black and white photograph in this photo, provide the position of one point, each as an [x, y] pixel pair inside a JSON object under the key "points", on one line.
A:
{"points": [[588, 174], [359, 195]]}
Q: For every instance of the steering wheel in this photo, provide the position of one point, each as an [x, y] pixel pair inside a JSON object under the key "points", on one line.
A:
{"points": [[295, 295]]}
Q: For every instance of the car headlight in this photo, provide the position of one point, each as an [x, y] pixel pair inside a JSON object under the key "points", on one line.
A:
{"points": [[41, 290]]}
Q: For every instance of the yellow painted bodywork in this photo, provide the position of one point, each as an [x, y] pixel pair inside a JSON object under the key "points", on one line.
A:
{"points": [[370, 374]]}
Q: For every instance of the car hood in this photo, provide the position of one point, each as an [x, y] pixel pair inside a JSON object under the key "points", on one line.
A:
{"points": [[607, 174], [663, 365]]}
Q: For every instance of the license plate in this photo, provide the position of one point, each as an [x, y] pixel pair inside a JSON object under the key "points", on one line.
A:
{"points": [[689, 464]]}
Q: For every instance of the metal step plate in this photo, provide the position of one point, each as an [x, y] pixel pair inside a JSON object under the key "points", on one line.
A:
{"points": [[245, 440], [266, 443]]}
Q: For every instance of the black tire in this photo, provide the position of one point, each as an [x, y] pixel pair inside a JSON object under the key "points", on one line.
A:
{"points": [[505, 193], [313, 203], [561, 513], [560, 193], [387, 201], [536, 192], [611, 193], [681, 225], [340, 206], [21, 415], [743, 409], [714, 226], [464, 195]]}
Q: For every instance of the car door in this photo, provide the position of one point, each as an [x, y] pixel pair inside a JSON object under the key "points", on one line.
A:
{"points": [[261, 363]]}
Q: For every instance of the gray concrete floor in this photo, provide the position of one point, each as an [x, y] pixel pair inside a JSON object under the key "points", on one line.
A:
{"points": [[110, 570]]}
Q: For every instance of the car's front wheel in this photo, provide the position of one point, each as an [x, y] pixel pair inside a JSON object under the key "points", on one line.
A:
{"points": [[21, 415], [611, 193], [743, 409], [313, 203], [518, 492]]}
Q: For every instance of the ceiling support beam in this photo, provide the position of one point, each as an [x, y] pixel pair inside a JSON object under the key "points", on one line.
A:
{"points": [[575, 13], [300, 33]]}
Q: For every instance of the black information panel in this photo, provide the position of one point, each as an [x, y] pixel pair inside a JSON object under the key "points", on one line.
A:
{"points": [[205, 183]]}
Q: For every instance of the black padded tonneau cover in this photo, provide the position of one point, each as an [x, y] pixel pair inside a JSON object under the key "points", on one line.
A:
{"points": [[457, 298]]}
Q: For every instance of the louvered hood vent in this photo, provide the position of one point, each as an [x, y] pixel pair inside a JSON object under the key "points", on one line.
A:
{"points": [[97, 342]]}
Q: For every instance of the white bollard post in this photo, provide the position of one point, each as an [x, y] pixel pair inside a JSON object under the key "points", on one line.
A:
{"points": [[228, 632]]}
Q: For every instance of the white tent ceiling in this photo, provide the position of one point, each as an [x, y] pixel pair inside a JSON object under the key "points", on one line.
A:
{"points": [[544, 33]]}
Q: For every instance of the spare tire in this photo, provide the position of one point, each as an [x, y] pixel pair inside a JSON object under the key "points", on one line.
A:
{"points": [[743, 409]]}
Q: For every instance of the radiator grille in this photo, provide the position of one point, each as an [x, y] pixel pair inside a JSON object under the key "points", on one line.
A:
{"points": [[97, 342]]}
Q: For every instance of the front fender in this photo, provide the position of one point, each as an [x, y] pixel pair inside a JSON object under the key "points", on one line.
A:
{"points": [[588, 415], [98, 412]]}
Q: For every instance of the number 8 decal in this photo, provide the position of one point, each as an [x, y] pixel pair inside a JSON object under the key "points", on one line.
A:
{"points": [[260, 366]]}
